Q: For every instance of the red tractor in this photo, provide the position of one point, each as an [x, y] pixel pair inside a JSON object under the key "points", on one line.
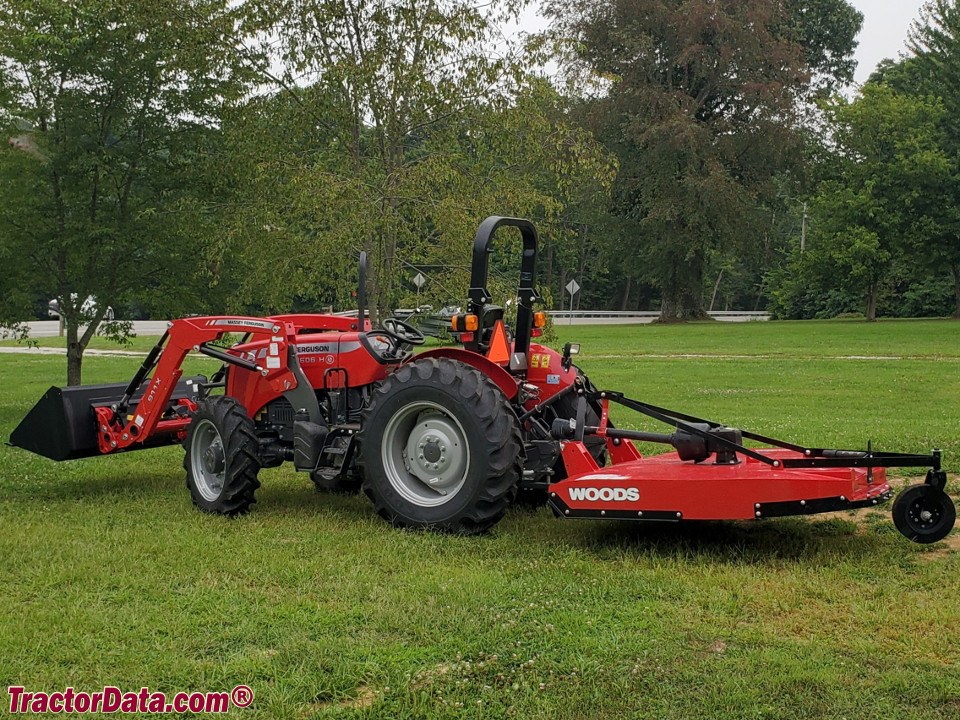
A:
{"points": [[448, 437]]}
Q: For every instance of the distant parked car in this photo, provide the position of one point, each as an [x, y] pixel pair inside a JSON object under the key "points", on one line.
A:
{"points": [[435, 324], [89, 308]]}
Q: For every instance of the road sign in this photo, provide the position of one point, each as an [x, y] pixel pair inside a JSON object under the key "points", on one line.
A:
{"points": [[419, 280], [572, 287]]}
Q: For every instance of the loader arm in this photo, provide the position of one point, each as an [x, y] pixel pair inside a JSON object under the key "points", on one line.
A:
{"points": [[153, 415]]}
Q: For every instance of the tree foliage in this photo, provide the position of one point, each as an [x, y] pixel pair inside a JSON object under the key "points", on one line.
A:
{"points": [[880, 197], [700, 100], [934, 70], [827, 32], [404, 123], [105, 103]]}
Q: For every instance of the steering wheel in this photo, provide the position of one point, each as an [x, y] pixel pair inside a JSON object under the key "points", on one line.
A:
{"points": [[402, 332]]}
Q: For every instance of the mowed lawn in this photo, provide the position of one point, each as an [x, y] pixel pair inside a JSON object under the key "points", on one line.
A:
{"points": [[111, 577]]}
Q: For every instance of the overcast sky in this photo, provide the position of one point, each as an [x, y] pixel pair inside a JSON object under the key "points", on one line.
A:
{"points": [[884, 33]]}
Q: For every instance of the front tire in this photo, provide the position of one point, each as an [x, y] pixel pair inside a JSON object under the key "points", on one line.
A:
{"points": [[221, 457], [440, 448]]}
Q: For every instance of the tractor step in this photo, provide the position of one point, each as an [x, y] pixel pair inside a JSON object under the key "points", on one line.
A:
{"points": [[63, 423]]}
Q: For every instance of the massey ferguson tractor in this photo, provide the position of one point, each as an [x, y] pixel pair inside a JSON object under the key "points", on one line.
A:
{"points": [[448, 437]]}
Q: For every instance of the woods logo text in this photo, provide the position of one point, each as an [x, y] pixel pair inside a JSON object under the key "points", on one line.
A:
{"points": [[617, 494]]}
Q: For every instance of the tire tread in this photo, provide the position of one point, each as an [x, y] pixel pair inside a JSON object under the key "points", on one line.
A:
{"points": [[240, 455], [499, 427]]}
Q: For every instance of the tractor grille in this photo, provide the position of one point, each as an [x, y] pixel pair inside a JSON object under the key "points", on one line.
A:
{"points": [[280, 412]]}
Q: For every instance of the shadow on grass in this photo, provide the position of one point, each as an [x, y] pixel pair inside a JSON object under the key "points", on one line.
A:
{"points": [[739, 542], [284, 494], [809, 539], [156, 473], [289, 498]]}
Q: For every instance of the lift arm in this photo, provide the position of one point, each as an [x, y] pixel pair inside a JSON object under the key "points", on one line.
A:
{"points": [[119, 430]]}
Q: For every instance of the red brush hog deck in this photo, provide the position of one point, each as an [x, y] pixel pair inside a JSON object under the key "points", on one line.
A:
{"points": [[664, 487]]}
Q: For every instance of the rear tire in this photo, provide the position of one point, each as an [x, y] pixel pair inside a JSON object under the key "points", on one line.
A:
{"points": [[440, 448], [221, 457]]}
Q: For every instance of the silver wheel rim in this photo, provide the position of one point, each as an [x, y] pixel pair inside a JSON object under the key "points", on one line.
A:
{"points": [[207, 460], [425, 454]]}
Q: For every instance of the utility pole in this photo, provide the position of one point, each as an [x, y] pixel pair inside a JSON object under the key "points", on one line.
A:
{"points": [[803, 230]]}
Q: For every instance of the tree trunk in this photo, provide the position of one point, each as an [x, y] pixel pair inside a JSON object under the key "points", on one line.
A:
{"points": [[691, 304], [371, 288], [955, 271], [74, 352], [716, 286], [682, 296], [668, 307], [548, 280], [873, 296], [77, 343], [626, 293]]}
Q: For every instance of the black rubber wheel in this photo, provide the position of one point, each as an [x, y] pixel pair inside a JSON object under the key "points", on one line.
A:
{"points": [[920, 523], [221, 460], [440, 448]]}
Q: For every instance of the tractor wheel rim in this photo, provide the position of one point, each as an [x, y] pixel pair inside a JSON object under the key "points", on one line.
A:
{"points": [[207, 460], [923, 519], [425, 454]]}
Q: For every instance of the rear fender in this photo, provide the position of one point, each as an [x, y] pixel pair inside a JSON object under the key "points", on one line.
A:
{"points": [[504, 380]]}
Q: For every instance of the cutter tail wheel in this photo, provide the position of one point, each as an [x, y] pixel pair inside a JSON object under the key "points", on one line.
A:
{"points": [[924, 513], [221, 460], [441, 448]]}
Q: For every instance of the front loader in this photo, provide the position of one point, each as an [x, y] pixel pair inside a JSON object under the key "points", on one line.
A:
{"points": [[449, 437]]}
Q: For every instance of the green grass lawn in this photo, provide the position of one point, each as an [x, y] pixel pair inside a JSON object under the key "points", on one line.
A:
{"points": [[133, 344], [112, 577]]}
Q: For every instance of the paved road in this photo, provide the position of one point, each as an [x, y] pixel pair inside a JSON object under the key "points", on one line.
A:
{"points": [[51, 328], [28, 350]]}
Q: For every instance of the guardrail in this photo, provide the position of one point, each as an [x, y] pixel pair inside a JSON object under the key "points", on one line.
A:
{"points": [[628, 317]]}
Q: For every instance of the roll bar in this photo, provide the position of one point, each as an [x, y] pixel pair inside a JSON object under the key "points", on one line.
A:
{"points": [[527, 294]]}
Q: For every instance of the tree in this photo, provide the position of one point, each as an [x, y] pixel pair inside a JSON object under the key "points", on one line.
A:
{"points": [[700, 100], [404, 125], [880, 198], [827, 31], [934, 70], [106, 104], [383, 73]]}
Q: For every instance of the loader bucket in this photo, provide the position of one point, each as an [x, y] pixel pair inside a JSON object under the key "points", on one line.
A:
{"points": [[63, 424]]}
